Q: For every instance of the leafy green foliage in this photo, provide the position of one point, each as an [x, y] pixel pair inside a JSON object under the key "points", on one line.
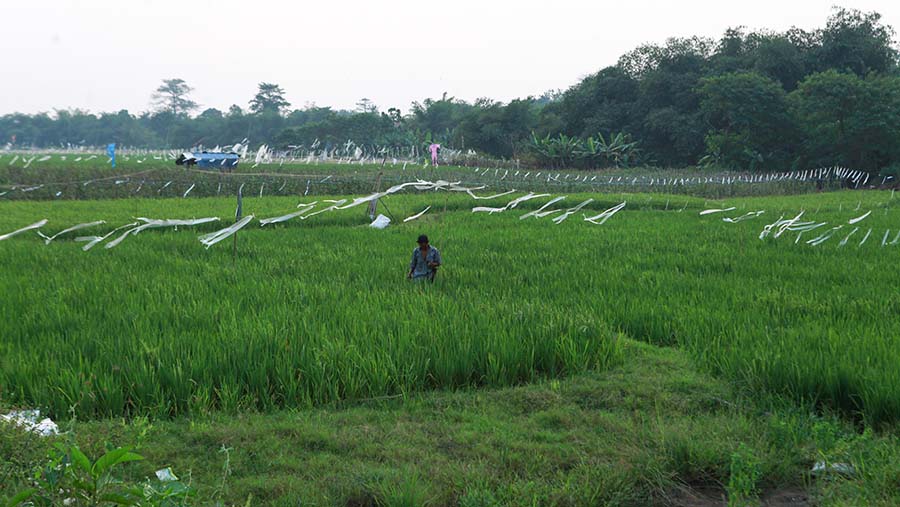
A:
{"points": [[618, 150], [849, 120], [269, 100], [743, 480], [69, 477], [750, 125], [172, 97]]}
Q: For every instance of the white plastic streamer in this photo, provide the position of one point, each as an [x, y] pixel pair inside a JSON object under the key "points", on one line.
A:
{"points": [[540, 213], [859, 218], [36, 225], [73, 228], [333, 207], [150, 223], [847, 238], [121, 238], [711, 211], [527, 197], [747, 216], [489, 210], [558, 220], [93, 240], [418, 185], [490, 196], [788, 224], [510, 205], [824, 237], [214, 237], [417, 215], [869, 233], [606, 215], [285, 218], [768, 229], [781, 226]]}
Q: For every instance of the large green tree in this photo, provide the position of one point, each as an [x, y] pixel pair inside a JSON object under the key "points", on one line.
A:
{"points": [[857, 42], [749, 123], [492, 127], [173, 96], [269, 99], [849, 120]]}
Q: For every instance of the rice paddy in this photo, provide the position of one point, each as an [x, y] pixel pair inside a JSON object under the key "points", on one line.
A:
{"points": [[316, 311]]}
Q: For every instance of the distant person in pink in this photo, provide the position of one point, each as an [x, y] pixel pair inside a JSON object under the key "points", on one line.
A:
{"points": [[435, 149]]}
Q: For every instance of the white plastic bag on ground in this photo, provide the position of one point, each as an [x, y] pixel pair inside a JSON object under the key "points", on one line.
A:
{"points": [[380, 222], [821, 467], [31, 421], [166, 475]]}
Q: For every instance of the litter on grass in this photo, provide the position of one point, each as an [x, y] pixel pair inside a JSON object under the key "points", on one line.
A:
{"points": [[31, 421], [380, 222], [166, 475]]}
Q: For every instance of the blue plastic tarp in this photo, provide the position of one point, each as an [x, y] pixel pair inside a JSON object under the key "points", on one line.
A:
{"points": [[216, 160]]}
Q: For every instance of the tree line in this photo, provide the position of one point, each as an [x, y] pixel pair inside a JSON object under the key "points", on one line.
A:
{"points": [[752, 100]]}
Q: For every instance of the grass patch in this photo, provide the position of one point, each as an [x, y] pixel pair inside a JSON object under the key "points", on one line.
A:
{"points": [[652, 431]]}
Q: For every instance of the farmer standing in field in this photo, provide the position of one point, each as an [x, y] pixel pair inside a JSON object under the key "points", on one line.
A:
{"points": [[434, 149], [425, 261]]}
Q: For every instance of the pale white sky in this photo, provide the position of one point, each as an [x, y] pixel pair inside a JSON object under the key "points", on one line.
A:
{"points": [[106, 55]]}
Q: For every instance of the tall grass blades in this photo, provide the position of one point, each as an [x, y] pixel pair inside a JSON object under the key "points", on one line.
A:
{"points": [[315, 311]]}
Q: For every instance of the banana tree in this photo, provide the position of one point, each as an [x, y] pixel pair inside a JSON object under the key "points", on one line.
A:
{"points": [[560, 151], [592, 152], [620, 150]]}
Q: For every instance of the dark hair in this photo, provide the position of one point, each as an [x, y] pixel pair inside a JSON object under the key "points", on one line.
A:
{"points": [[422, 239]]}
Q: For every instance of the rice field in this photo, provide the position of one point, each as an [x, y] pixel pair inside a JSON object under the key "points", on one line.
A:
{"points": [[55, 176], [317, 311]]}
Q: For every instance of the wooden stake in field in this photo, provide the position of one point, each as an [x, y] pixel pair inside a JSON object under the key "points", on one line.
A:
{"points": [[373, 205], [238, 214]]}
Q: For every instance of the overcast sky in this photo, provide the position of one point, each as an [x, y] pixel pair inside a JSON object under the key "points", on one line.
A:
{"points": [[106, 55]]}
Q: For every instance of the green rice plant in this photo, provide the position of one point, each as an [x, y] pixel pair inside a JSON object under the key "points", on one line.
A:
{"points": [[409, 490], [317, 311]]}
